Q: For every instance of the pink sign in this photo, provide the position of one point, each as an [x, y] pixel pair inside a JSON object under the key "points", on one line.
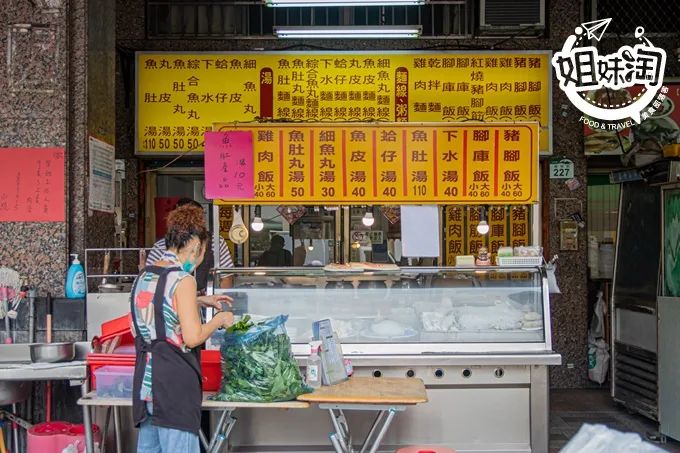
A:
{"points": [[229, 166]]}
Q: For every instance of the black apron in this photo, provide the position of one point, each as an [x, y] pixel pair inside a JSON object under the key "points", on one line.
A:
{"points": [[176, 375]]}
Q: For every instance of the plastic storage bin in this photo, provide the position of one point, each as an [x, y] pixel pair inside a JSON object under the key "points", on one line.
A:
{"points": [[54, 437], [114, 381]]}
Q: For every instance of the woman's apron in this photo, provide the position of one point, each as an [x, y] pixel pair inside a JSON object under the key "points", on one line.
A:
{"points": [[176, 375]]}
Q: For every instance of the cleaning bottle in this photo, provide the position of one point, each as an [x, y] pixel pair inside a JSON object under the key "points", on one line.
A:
{"points": [[313, 371], [75, 280]]}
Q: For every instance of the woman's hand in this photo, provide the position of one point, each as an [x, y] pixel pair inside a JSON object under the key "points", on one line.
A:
{"points": [[225, 318], [214, 301]]}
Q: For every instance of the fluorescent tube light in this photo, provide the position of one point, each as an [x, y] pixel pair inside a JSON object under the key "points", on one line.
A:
{"points": [[354, 32], [324, 3]]}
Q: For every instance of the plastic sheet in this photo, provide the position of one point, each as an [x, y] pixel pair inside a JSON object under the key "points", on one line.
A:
{"points": [[600, 439]]}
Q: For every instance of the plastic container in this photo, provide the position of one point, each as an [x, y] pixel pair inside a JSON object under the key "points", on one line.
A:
{"points": [[114, 381], [54, 437], [117, 327], [313, 368], [75, 280], [211, 367]]}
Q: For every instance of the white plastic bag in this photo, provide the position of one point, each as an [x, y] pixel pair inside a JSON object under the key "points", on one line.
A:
{"points": [[600, 439], [598, 361], [597, 323], [552, 279]]}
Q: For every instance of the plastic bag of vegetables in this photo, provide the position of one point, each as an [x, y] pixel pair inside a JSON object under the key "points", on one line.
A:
{"points": [[258, 363]]}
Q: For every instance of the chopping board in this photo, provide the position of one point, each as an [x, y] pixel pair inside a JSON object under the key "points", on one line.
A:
{"points": [[360, 390]]}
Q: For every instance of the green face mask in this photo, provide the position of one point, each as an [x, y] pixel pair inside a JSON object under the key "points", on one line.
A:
{"points": [[188, 266]]}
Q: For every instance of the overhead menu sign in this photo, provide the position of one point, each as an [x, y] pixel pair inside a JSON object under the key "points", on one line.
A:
{"points": [[179, 96], [392, 163]]}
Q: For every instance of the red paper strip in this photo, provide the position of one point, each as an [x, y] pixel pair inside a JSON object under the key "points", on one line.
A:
{"points": [[32, 185]]}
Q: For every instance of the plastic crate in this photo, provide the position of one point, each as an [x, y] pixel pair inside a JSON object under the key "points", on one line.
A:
{"points": [[114, 381], [211, 367], [520, 261]]}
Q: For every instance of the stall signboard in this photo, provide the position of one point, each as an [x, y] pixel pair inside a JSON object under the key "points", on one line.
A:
{"points": [[601, 140], [508, 226], [392, 163], [180, 95]]}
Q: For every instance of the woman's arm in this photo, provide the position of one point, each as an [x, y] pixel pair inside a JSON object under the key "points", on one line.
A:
{"points": [[193, 332]]}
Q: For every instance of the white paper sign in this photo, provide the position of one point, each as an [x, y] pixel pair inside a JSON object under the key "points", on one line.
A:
{"points": [[420, 231], [102, 176]]}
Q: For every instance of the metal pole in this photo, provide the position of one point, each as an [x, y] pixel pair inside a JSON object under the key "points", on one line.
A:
{"points": [[336, 443], [89, 438], [15, 429], [383, 431], [116, 429], [371, 433]]}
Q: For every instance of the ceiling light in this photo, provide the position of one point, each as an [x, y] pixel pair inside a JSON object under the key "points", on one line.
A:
{"points": [[322, 3], [368, 219], [353, 32], [310, 247], [483, 226], [257, 224]]}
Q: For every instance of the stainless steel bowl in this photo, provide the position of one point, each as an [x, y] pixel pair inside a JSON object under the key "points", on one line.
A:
{"points": [[52, 352], [14, 391]]}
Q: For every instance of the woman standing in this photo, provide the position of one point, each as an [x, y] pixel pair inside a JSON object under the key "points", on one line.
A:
{"points": [[168, 333]]}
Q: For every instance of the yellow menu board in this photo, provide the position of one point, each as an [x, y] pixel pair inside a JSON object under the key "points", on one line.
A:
{"points": [[179, 96], [392, 163], [508, 225]]}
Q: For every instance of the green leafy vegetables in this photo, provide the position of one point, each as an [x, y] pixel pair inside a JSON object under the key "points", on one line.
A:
{"points": [[258, 363]]}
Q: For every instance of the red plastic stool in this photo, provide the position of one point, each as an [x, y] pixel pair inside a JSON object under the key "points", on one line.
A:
{"points": [[425, 450]]}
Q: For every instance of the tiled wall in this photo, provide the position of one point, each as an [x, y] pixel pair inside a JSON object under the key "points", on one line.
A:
{"points": [[56, 99]]}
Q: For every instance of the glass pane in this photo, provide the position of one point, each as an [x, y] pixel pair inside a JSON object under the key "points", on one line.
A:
{"points": [[406, 306]]}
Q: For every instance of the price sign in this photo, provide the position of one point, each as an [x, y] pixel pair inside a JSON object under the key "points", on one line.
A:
{"points": [[229, 165], [561, 168], [390, 163]]}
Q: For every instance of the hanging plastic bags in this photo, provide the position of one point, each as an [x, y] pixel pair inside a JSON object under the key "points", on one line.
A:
{"points": [[598, 349], [600, 439]]}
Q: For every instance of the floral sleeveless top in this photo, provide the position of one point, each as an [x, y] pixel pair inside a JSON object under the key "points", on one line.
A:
{"points": [[144, 313]]}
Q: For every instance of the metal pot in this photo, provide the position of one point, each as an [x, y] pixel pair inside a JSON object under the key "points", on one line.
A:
{"points": [[52, 352], [12, 392]]}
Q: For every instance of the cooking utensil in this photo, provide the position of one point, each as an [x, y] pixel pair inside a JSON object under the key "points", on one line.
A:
{"points": [[52, 353], [14, 392], [108, 287]]}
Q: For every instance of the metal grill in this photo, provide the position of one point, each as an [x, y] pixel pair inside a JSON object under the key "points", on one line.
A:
{"points": [[658, 17], [205, 19]]}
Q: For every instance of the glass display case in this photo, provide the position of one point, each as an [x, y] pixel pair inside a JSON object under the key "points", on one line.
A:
{"points": [[410, 310]]}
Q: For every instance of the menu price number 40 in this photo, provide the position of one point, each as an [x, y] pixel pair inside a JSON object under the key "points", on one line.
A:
{"points": [[171, 144]]}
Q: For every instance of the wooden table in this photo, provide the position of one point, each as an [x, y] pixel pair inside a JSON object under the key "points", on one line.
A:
{"points": [[222, 430], [387, 396]]}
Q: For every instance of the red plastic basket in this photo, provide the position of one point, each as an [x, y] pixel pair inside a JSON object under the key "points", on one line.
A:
{"points": [[117, 327]]}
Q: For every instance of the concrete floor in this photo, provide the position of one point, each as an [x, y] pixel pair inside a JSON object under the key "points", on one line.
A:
{"points": [[570, 409]]}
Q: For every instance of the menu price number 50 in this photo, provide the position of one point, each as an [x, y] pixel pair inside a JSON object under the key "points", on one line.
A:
{"points": [[171, 144]]}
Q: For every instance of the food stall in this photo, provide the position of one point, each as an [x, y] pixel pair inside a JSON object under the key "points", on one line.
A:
{"points": [[386, 199]]}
